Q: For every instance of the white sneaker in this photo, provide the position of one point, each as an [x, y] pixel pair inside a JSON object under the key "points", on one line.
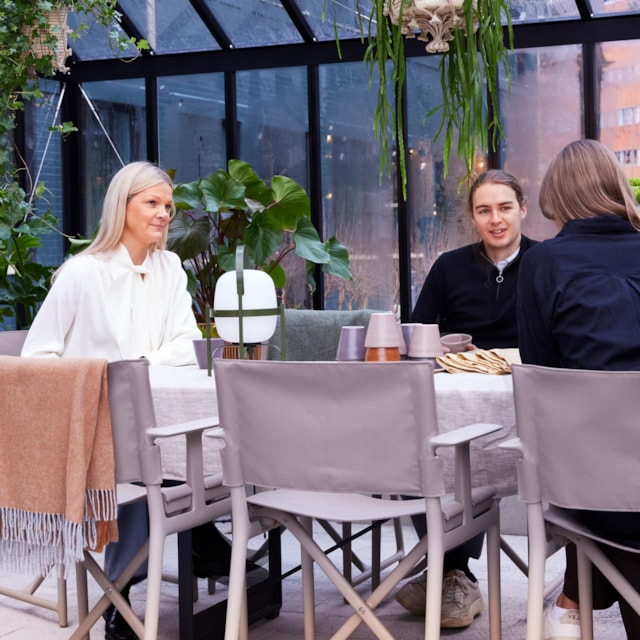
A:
{"points": [[565, 628], [461, 599]]}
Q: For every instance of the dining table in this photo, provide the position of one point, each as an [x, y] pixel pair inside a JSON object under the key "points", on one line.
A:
{"points": [[187, 393]]}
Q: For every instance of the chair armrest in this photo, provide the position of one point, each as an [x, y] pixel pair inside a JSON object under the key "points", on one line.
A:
{"points": [[513, 444], [463, 434], [183, 428], [461, 439]]}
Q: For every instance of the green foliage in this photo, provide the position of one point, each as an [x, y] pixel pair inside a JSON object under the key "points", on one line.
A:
{"points": [[470, 69], [635, 185], [467, 71], [235, 207], [23, 282]]}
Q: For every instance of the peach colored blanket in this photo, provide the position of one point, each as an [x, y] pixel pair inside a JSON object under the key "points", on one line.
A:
{"points": [[57, 482]]}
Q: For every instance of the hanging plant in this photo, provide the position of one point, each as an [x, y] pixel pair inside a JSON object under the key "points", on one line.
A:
{"points": [[469, 36]]}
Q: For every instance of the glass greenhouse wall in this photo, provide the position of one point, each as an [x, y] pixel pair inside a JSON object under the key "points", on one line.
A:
{"points": [[313, 121]]}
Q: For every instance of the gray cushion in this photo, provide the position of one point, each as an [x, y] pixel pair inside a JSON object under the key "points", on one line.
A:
{"points": [[314, 335]]}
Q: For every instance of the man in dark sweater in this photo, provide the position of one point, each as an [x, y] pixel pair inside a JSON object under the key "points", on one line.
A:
{"points": [[473, 290]]}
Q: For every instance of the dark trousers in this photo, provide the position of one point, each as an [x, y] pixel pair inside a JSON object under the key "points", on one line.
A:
{"points": [[458, 557], [624, 528]]}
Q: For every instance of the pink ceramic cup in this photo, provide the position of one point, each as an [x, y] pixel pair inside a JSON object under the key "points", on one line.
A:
{"points": [[456, 342]]}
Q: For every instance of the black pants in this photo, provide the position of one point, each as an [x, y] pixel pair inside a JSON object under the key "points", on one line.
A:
{"points": [[458, 557], [623, 528]]}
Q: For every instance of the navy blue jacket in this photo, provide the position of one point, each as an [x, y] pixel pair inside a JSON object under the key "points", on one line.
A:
{"points": [[579, 297], [462, 294]]}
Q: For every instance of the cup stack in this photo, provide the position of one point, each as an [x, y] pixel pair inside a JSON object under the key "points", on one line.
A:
{"points": [[382, 341]]}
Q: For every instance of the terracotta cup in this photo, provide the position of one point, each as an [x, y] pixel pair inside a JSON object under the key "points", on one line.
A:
{"points": [[351, 343], [382, 354]]}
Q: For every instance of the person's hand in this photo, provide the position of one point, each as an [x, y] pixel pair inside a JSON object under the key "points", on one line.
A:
{"points": [[471, 347]]}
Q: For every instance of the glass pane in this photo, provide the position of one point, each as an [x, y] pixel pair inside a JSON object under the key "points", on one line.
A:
{"points": [[340, 15], [251, 23], [359, 207], [191, 122], [169, 26], [94, 42], [542, 113], [438, 217], [43, 154], [113, 123], [538, 10], [608, 7], [619, 105], [273, 124]]}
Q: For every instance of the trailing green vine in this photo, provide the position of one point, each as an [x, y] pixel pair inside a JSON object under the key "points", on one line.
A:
{"points": [[468, 70]]}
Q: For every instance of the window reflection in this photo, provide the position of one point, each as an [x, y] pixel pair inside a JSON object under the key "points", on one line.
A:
{"points": [[542, 114], [191, 115], [43, 157], [359, 209], [273, 126], [114, 133], [619, 104], [438, 217]]}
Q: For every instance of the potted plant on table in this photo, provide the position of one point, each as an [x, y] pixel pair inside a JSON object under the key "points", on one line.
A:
{"points": [[234, 207]]}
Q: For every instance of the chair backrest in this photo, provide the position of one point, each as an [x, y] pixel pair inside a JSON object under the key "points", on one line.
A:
{"points": [[328, 426], [580, 432], [132, 413], [11, 342], [313, 334]]}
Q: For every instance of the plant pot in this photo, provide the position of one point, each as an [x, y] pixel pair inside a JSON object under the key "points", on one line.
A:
{"points": [[200, 348], [252, 352], [59, 30]]}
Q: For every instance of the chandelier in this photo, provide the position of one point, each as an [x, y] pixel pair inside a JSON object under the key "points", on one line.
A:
{"points": [[432, 21]]}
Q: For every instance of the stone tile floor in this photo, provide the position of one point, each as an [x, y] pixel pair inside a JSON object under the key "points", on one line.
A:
{"points": [[19, 621]]}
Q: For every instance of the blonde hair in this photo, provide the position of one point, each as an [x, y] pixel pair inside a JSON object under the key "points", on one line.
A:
{"points": [[585, 180], [126, 183]]}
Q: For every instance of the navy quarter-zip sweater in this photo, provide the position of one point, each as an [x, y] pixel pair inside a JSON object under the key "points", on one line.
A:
{"points": [[463, 293]]}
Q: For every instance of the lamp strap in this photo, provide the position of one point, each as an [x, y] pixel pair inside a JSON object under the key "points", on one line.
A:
{"points": [[235, 313]]}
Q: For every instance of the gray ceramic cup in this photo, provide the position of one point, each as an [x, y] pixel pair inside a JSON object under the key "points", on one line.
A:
{"points": [[351, 343]]}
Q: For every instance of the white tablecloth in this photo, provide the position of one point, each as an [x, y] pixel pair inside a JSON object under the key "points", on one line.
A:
{"points": [[186, 393]]}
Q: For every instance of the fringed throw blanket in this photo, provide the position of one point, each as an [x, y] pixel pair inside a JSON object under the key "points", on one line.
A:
{"points": [[57, 482]]}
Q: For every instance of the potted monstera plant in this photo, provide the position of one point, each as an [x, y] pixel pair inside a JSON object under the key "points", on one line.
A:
{"points": [[232, 207]]}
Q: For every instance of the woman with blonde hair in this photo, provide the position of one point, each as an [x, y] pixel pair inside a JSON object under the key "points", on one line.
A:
{"points": [[124, 296], [579, 308]]}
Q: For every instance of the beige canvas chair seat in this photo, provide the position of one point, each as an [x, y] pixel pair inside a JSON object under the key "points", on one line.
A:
{"points": [[579, 439], [322, 439]]}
